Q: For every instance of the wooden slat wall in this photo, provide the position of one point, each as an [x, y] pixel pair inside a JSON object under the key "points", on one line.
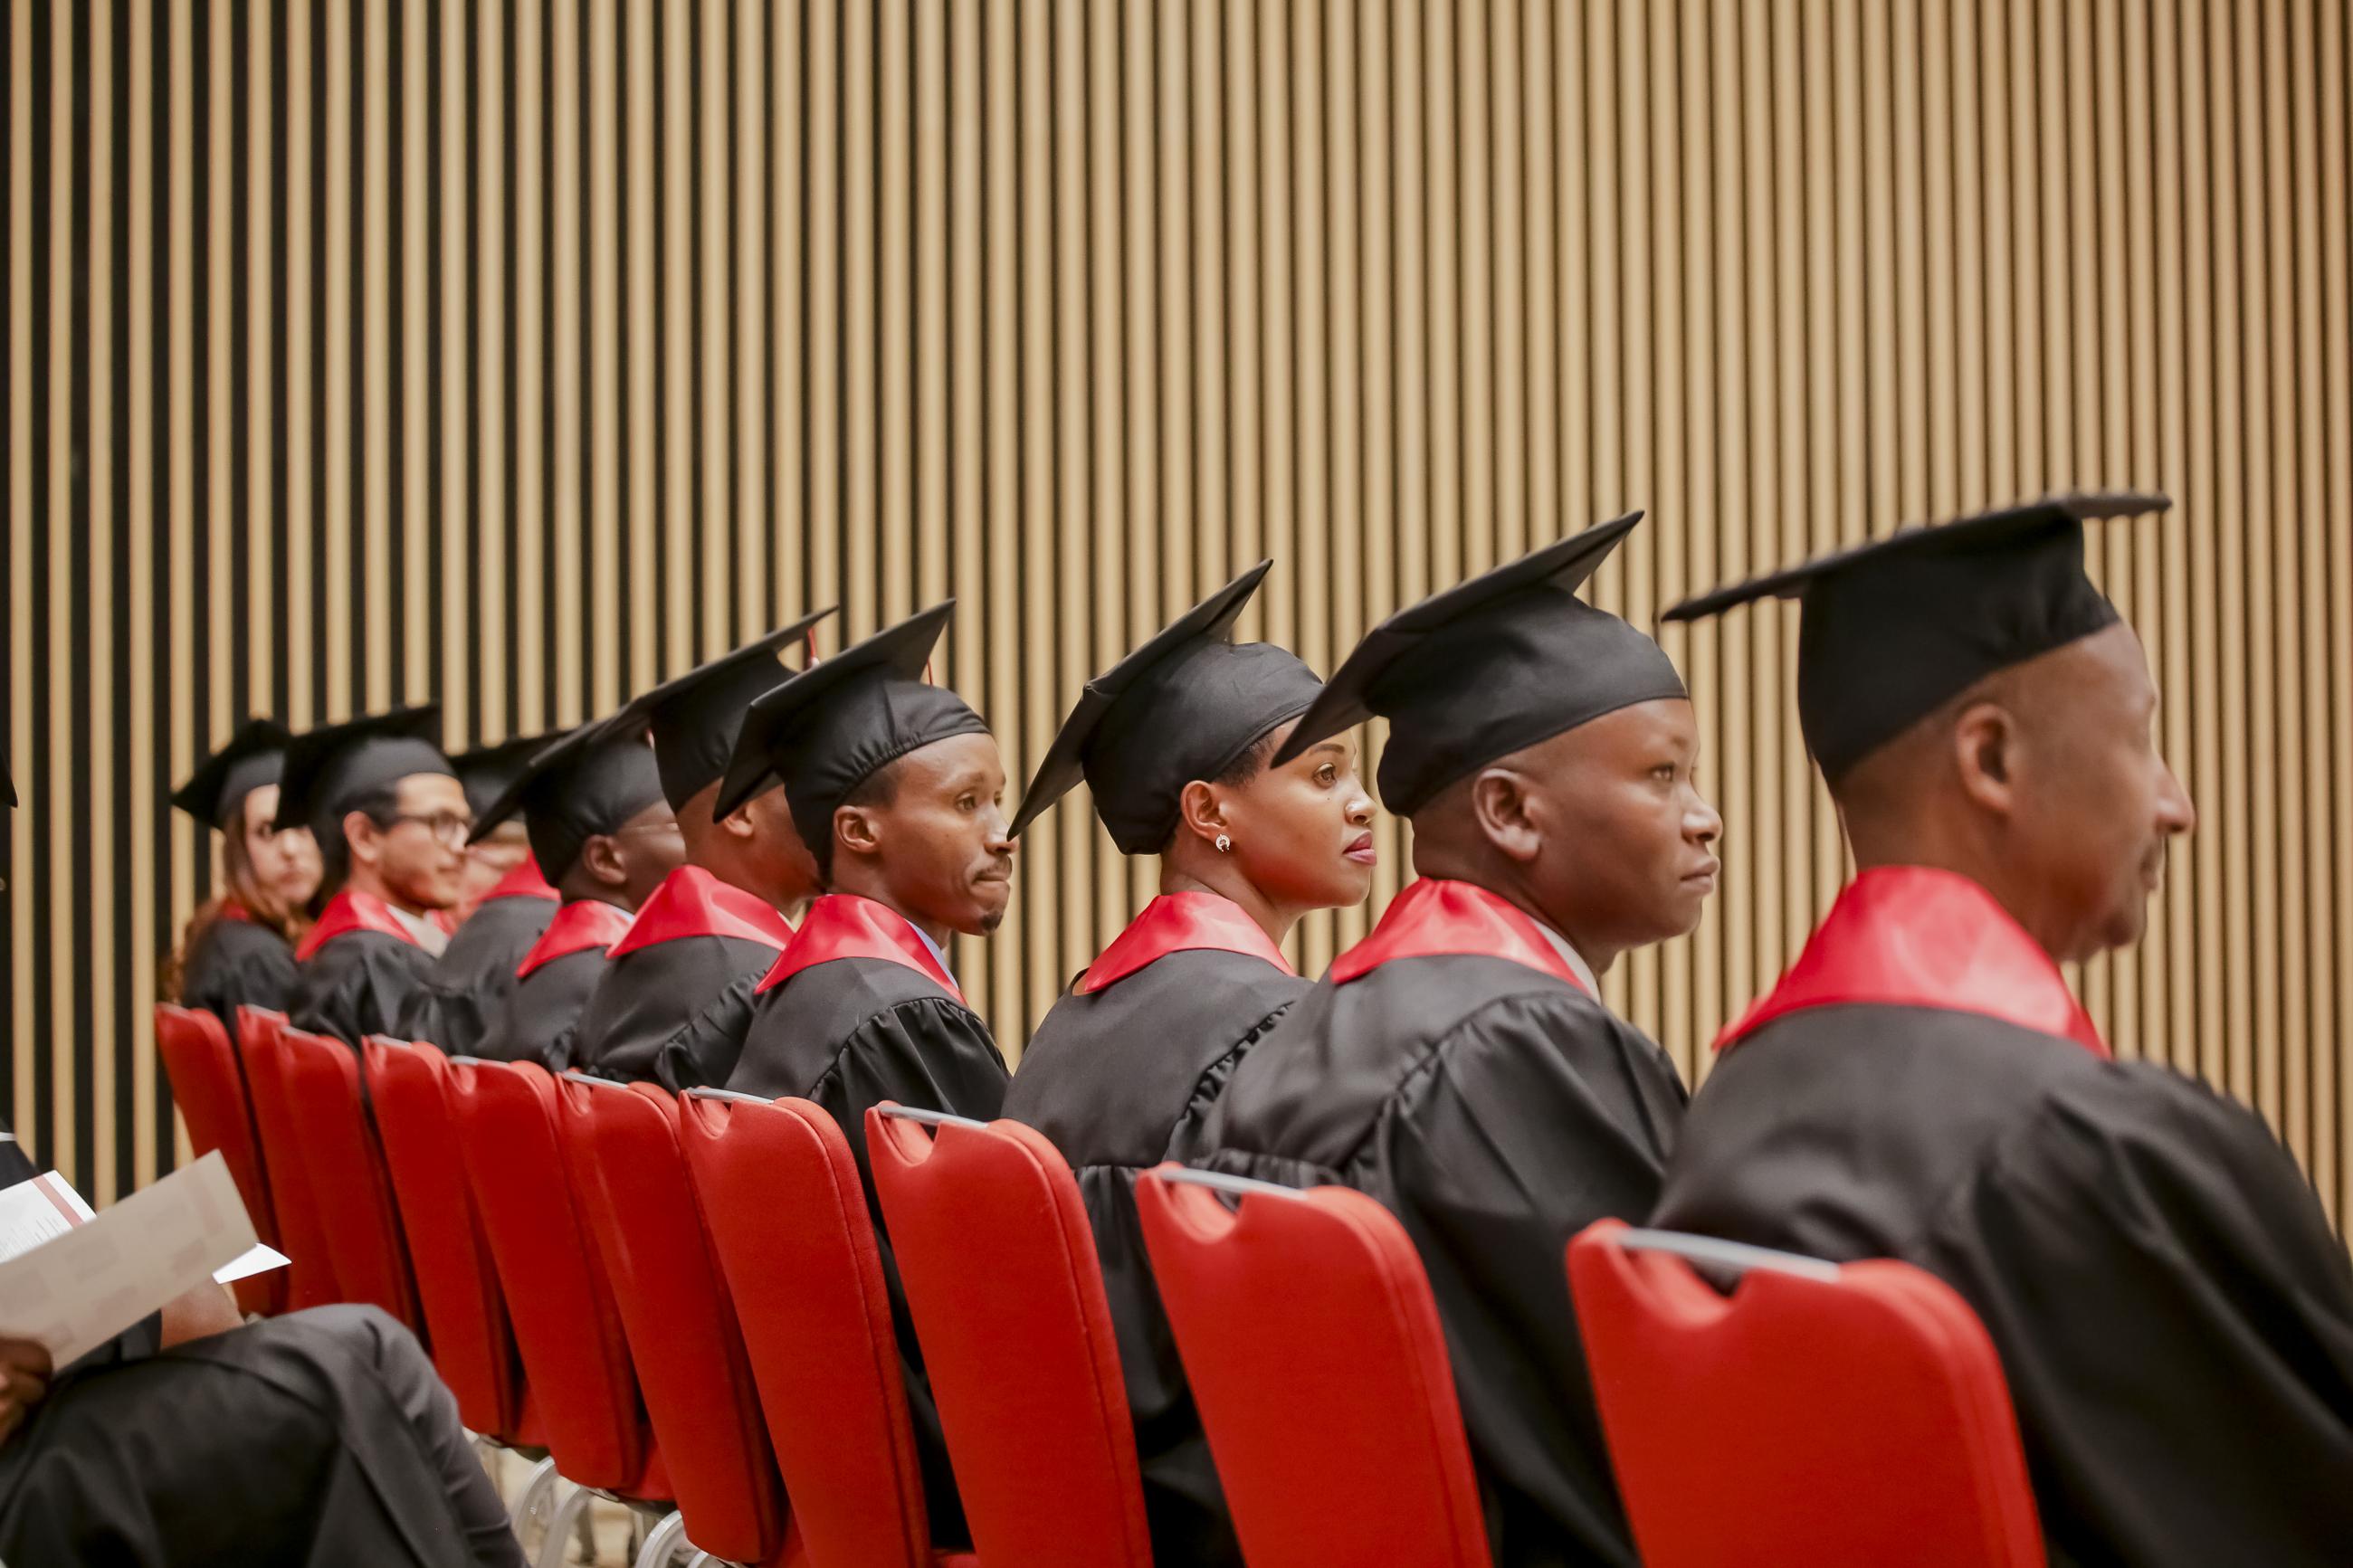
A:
{"points": [[518, 355]]}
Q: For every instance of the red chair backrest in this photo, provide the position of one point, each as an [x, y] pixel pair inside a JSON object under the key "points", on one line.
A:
{"points": [[576, 1355], [788, 1217], [208, 1086], [302, 1232], [999, 1262], [621, 1142], [348, 1181], [457, 1278], [1315, 1353], [1787, 1400]]}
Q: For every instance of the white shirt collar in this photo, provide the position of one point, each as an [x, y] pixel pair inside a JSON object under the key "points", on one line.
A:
{"points": [[421, 930], [934, 947], [1574, 959]]}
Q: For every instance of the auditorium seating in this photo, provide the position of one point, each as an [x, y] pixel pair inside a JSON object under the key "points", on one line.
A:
{"points": [[301, 1235], [457, 1279], [787, 1216], [1314, 1354], [349, 1185], [1791, 1395], [208, 1086], [628, 1174], [998, 1261]]}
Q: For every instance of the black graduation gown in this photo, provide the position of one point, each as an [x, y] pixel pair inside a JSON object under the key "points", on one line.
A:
{"points": [[475, 972], [2174, 1316], [552, 983], [237, 962], [356, 970], [1143, 1040], [854, 1013], [1450, 1067], [675, 996]]}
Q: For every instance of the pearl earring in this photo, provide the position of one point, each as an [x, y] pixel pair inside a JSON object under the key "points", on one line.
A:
{"points": [[1225, 844]]}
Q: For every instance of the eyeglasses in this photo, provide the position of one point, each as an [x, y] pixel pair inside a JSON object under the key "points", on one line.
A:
{"points": [[451, 829]]}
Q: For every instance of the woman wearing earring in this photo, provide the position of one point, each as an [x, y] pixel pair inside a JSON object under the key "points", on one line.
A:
{"points": [[240, 947], [1174, 743]]}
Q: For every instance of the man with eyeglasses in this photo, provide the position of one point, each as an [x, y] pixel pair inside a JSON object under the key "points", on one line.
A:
{"points": [[391, 820]]}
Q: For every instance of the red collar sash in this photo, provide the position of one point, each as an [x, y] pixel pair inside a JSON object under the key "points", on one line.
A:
{"points": [[524, 882], [691, 901], [1434, 917], [349, 911], [1181, 923], [233, 910], [843, 925], [1911, 936], [578, 926]]}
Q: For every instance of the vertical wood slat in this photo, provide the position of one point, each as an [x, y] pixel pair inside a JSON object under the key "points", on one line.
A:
{"points": [[1068, 308]]}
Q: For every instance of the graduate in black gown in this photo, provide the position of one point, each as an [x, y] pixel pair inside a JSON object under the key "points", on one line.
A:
{"points": [[1173, 743], [504, 904], [2174, 1315], [897, 786], [391, 820], [240, 947], [1458, 1064], [600, 826], [675, 996]]}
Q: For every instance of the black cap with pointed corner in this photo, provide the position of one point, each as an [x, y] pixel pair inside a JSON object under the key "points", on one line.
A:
{"points": [[332, 767], [1489, 668], [254, 756], [579, 785], [1186, 705], [1891, 630], [834, 725], [694, 718]]}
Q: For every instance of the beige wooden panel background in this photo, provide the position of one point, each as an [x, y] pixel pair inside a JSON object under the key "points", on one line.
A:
{"points": [[518, 355]]}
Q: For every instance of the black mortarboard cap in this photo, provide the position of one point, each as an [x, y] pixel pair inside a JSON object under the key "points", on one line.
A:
{"points": [[486, 771], [1184, 706], [1489, 668], [330, 768], [1890, 631], [836, 724], [255, 755], [583, 783], [694, 718]]}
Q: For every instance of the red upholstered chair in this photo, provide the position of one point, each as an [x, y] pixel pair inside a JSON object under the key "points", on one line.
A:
{"points": [[349, 1185], [301, 1233], [999, 1262], [1313, 1349], [457, 1278], [208, 1086], [622, 1147], [788, 1217], [1758, 1428], [576, 1356]]}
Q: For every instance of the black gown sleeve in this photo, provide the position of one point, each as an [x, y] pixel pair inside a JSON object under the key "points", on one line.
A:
{"points": [[237, 966], [2175, 1319], [356, 986], [704, 1050], [1542, 1115]]}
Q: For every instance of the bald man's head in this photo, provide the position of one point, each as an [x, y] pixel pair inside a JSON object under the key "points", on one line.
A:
{"points": [[2042, 782]]}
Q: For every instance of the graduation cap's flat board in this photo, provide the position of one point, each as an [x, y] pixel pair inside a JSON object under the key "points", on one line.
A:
{"points": [[487, 771], [580, 784], [694, 718], [254, 756], [1186, 705], [330, 768], [832, 727], [1891, 630], [1489, 668]]}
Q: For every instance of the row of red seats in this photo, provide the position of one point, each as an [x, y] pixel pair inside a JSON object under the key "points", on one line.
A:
{"points": [[574, 1254]]}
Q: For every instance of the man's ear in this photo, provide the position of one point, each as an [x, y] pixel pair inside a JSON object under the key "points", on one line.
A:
{"points": [[1201, 812], [607, 864], [1501, 803], [1986, 743], [365, 838], [738, 823], [856, 831]]}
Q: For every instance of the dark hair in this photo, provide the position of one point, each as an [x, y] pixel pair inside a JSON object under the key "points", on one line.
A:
{"points": [[1247, 765], [880, 787], [380, 803]]}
